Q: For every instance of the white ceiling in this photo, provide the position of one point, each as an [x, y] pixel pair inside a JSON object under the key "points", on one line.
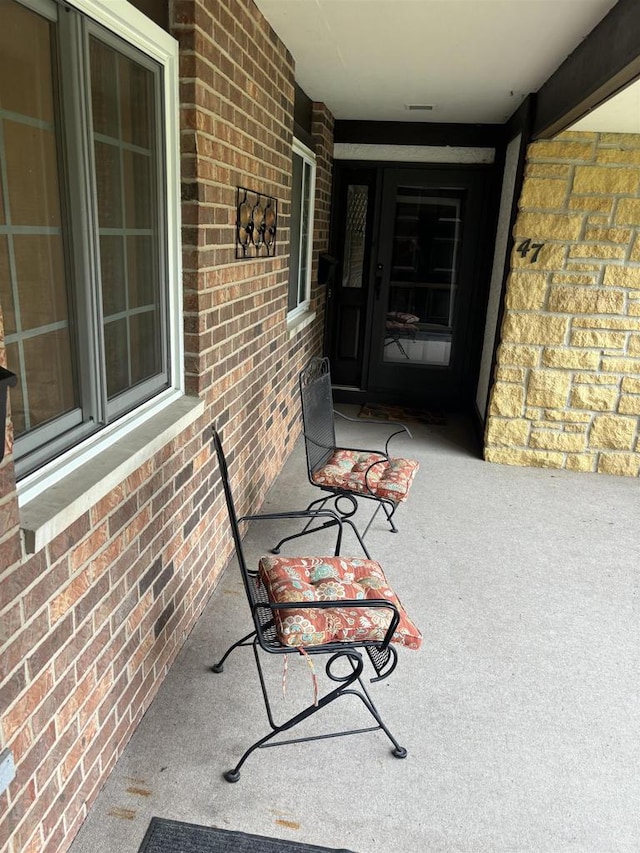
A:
{"points": [[473, 60]]}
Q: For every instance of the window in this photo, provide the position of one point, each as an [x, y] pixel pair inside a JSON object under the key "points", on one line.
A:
{"points": [[302, 200], [87, 262]]}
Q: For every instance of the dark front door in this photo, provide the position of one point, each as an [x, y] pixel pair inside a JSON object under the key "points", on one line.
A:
{"points": [[408, 330]]}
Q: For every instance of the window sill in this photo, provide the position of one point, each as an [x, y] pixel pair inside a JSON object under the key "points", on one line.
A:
{"points": [[299, 322], [49, 513]]}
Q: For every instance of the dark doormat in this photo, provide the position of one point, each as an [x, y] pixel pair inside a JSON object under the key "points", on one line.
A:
{"points": [[172, 836], [404, 414]]}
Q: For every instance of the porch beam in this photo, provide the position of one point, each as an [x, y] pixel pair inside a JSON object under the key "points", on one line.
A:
{"points": [[418, 133], [604, 63]]}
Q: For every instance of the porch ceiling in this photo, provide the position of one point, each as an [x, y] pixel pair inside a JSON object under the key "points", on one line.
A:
{"points": [[473, 60]]}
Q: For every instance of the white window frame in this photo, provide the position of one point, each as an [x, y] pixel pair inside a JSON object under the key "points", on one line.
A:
{"points": [[123, 20], [301, 311]]}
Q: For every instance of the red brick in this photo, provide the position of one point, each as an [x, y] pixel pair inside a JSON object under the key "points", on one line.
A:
{"points": [[22, 643], [105, 506], [50, 645], [65, 600], [74, 756], [95, 698], [92, 753], [42, 804], [55, 756], [87, 549], [22, 709], [55, 842], [20, 745], [75, 701], [10, 622], [49, 584], [35, 843], [30, 762], [66, 540], [10, 551], [21, 577], [68, 655], [87, 604], [8, 514], [20, 807]]}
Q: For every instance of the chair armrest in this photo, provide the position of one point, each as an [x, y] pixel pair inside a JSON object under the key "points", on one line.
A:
{"points": [[376, 603]]}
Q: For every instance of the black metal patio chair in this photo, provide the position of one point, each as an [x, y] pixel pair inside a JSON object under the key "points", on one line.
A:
{"points": [[347, 474], [334, 606]]}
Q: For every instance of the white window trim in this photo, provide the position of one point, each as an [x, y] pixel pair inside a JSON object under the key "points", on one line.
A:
{"points": [[301, 312], [36, 490]]}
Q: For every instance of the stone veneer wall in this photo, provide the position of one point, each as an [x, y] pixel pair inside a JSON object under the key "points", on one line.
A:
{"points": [[566, 390]]}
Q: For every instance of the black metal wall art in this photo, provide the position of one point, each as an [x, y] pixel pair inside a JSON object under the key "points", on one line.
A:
{"points": [[257, 219]]}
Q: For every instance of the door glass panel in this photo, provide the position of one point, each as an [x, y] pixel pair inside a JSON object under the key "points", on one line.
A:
{"points": [[354, 238], [421, 302]]}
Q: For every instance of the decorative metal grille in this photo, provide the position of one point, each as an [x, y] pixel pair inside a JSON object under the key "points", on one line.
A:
{"points": [[257, 219]]}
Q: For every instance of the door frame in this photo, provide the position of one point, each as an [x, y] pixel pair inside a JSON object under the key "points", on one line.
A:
{"points": [[488, 176]]}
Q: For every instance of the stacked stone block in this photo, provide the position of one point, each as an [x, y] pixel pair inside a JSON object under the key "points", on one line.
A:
{"points": [[566, 390]]}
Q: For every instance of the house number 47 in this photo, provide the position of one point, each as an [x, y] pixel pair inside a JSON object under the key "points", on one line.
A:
{"points": [[527, 246]]}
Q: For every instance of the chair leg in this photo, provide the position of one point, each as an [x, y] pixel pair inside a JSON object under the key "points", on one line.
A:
{"points": [[219, 667], [344, 688], [387, 512]]}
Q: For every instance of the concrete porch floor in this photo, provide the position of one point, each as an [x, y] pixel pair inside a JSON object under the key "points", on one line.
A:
{"points": [[520, 713]]}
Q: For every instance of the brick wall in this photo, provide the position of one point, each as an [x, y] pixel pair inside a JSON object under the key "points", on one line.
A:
{"points": [[90, 624], [567, 383]]}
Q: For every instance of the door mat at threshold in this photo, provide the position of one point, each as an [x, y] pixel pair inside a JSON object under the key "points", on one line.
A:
{"points": [[380, 412], [172, 836]]}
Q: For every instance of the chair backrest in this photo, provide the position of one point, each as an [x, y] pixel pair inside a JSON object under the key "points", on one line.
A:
{"points": [[317, 413], [231, 509]]}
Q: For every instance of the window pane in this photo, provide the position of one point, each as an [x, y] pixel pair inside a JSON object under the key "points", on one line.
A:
{"points": [[34, 287], [137, 189], [25, 62], [40, 280], [47, 365], [304, 235], [126, 154], [108, 185], [32, 172], [6, 294], [140, 271], [116, 356], [104, 91], [294, 229], [114, 281], [145, 352], [135, 101], [17, 402]]}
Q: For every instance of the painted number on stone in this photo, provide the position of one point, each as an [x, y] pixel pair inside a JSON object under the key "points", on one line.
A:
{"points": [[527, 246]]}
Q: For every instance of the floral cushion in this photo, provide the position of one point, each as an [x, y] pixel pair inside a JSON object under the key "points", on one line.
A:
{"points": [[332, 579], [351, 470]]}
